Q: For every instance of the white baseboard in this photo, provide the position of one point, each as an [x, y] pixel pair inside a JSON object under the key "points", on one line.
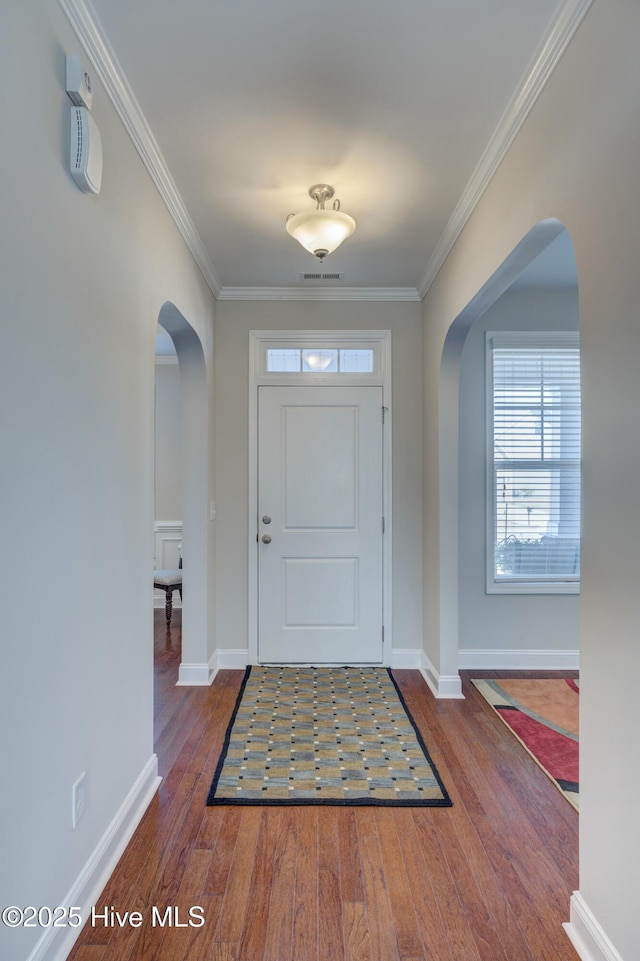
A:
{"points": [[196, 675], [587, 935], [237, 659], [201, 675], [56, 943], [409, 659], [441, 685], [518, 660], [232, 659]]}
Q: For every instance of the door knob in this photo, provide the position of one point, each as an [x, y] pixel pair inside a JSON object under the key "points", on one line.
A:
{"points": [[266, 538], [266, 519]]}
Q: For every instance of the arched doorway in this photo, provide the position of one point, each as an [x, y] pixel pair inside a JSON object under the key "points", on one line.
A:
{"points": [[195, 449], [443, 677]]}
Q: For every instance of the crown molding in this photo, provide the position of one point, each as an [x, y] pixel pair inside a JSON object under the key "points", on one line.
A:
{"points": [[91, 35], [386, 294], [568, 18]]}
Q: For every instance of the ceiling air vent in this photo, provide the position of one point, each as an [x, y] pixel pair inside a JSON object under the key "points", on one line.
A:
{"points": [[321, 276]]}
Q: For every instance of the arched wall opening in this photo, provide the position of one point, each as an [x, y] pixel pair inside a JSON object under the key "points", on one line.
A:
{"points": [[168, 466], [194, 667], [444, 678]]}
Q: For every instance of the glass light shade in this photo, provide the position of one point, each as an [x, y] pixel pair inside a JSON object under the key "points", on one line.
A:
{"points": [[320, 359], [321, 231]]}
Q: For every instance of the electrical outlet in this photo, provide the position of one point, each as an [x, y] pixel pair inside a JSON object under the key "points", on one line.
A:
{"points": [[78, 800]]}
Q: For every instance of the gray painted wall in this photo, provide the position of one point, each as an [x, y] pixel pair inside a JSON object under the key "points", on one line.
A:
{"points": [[82, 283], [576, 158], [168, 449]]}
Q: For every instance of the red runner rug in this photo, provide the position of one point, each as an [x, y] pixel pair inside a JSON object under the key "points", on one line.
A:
{"points": [[543, 715]]}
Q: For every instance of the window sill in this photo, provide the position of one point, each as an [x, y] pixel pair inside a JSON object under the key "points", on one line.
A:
{"points": [[533, 587]]}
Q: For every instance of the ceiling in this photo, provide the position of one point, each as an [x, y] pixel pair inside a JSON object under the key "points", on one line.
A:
{"points": [[402, 107]]}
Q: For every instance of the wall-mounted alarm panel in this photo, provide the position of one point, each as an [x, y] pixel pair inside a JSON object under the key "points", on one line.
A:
{"points": [[85, 153]]}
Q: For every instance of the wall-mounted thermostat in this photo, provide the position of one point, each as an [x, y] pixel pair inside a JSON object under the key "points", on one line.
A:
{"points": [[85, 151], [79, 86]]}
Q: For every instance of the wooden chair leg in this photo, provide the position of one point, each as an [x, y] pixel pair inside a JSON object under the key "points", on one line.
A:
{"points": [[168, 604]]}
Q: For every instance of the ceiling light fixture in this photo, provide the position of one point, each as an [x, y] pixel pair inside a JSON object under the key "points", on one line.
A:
{"points": [[318, 359], [321, 231]]}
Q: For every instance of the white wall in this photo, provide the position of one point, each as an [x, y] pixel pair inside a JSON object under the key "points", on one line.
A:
{"points": [[82, 282], [168, 470], [168, 434], [576, 158], [234, 321], [502, 622]]}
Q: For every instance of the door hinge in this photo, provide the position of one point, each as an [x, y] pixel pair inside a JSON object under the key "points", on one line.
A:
{"points": [[383, 525]]}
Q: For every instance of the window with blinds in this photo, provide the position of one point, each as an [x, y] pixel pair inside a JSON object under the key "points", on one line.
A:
{"points": [[534, 457]]}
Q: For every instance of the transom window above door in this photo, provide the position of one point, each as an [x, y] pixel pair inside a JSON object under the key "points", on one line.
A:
{"points": [[320, 360], [321, 357]]}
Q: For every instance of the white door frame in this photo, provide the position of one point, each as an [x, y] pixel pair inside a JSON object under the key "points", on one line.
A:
{"points": [[259, 340]]}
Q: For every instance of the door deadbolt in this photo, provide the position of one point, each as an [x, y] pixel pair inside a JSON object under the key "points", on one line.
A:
{"points": [[266, 538], [266, 519]]}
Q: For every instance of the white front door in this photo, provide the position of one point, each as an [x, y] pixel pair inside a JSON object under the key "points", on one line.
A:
{"points": [[320, 525]]}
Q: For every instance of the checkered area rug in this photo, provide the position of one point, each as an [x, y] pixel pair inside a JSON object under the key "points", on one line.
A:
{"points": [[330, 735]]}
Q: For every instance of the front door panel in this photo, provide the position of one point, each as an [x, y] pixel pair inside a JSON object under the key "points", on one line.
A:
{"points": [[320, 525]]}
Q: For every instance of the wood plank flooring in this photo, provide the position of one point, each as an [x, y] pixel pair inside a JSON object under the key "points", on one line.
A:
{"points": [[486, 880]]}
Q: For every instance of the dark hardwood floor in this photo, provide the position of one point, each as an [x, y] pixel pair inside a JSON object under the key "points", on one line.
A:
{"points": [[486, 880]]}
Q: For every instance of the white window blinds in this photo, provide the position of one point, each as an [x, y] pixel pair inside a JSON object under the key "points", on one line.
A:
{"points": [[534, 445]]}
